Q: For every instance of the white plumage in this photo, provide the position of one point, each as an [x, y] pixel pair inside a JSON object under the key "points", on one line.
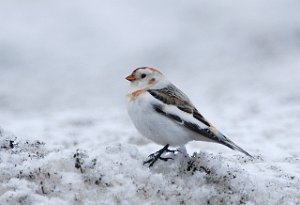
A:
{"points": [[153, 125]]}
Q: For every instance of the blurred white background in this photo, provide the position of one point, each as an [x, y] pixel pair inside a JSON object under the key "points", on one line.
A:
{"points": [[66, 54]]}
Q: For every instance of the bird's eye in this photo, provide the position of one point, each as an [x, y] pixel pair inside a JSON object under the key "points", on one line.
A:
{"points": [[143, 75]]}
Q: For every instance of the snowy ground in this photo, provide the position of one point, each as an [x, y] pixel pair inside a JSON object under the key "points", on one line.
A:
{"points": [[65, 135]]}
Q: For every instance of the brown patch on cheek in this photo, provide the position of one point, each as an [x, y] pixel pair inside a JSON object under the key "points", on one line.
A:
{"points": [[151, 81]]}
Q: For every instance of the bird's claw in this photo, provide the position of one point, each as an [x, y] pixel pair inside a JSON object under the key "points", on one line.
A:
{"points": [[157, 155]]}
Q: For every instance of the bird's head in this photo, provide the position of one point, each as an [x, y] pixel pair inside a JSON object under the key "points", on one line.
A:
{"points": [[145, 77]]}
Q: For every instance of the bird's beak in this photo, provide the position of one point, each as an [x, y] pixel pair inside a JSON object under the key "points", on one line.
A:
{"points": [[130, 78]]}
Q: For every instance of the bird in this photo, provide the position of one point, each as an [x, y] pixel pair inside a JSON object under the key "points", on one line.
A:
{"points": [[164, 114]]}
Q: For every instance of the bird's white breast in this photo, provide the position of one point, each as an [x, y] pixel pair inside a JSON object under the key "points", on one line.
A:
{"points": [[153, 125]]}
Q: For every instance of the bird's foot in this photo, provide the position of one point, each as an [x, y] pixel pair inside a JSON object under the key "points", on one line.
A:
{"points": [[157, 155]]}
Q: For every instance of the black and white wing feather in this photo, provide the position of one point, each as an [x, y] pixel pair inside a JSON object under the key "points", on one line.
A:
{"points": [[195, 122]]}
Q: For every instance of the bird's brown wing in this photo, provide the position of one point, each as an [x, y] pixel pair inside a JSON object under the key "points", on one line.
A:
{"points": [[171, 95]]}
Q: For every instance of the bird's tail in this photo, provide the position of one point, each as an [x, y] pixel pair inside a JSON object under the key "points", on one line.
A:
{"points": [[228, 143], [233, 146]]}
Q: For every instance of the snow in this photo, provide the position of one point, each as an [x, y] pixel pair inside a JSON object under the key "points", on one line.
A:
{"points": [[66, 137]]}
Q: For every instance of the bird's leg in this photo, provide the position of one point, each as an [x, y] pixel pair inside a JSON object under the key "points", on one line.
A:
{"points": [[157, 155]]}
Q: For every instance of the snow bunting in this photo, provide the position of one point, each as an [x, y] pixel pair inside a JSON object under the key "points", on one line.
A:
{"points": [[164, 114]]}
